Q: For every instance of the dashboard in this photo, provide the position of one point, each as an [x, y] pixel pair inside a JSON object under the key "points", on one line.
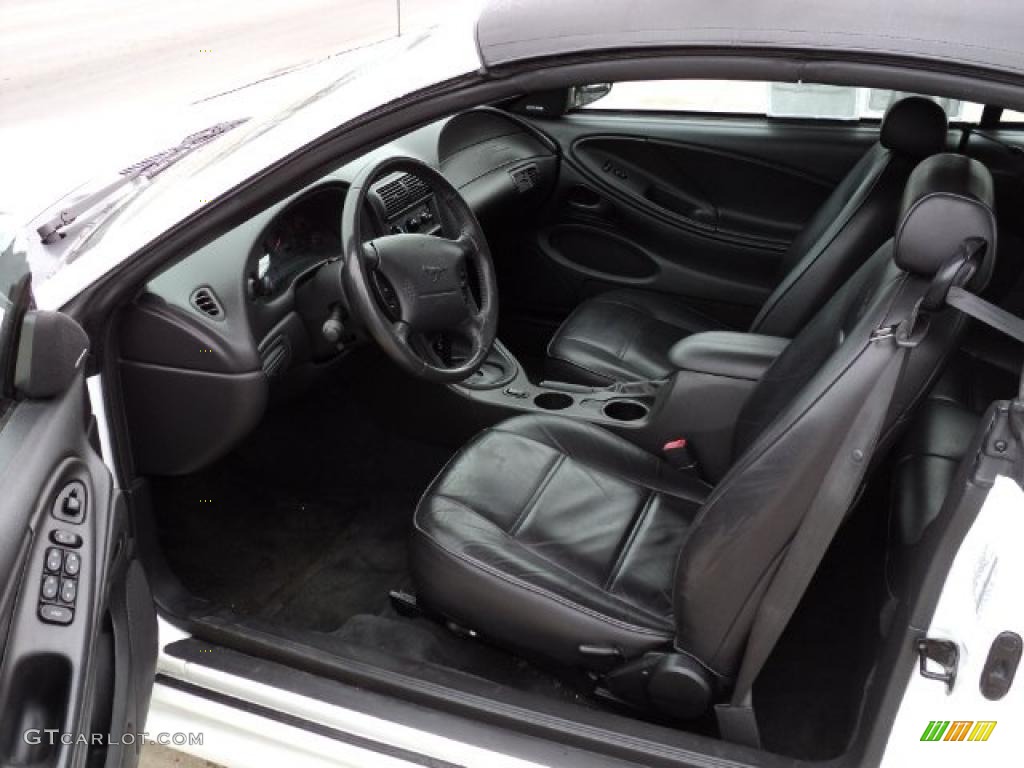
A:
{"points": [[206, 343]]}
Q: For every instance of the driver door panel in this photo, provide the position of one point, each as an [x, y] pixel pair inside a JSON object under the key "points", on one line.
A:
{"points": [[81, 661]]}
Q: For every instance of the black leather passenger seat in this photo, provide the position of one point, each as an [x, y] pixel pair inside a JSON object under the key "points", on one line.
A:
{"points": [[625, 334]]}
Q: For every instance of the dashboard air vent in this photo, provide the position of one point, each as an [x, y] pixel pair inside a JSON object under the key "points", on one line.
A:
{"points": [[205, 300], [401, 193]]}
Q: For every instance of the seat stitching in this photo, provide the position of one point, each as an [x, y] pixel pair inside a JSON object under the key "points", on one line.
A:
{"points": [[554, 565], [630, 539], [627, 340], [531, 503], [581, 464], [436, 482], [554, 339], [561, 337], [573, 363], [667, 490], [646, 311], [544, 592]]}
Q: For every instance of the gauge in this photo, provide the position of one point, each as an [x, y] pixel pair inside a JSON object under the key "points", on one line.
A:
{"points": [[302, 236]]}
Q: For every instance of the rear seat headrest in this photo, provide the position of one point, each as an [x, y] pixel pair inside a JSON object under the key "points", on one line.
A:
{"points": [[914, 126], [948, 198]]}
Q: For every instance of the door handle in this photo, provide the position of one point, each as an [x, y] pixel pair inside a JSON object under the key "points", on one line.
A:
{"points": [[585, 200]]}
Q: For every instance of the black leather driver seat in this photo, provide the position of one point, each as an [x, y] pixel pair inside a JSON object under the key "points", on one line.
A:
{"points": [[559, 539], [625, 335], [566, 531]]}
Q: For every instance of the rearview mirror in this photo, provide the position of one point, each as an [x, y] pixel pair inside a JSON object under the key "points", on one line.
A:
{"points": [[582, 95]]}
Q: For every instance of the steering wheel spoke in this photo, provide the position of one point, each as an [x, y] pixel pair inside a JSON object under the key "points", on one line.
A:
{"points": [[370, 255], [473, 324], [466, 243]]}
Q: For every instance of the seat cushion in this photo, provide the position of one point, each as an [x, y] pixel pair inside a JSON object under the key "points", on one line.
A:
{"points": [[550, 534], [622, 335]]}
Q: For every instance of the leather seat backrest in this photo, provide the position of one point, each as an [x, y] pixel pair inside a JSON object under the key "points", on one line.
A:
{"points": [[792, 426], [857, 217]]}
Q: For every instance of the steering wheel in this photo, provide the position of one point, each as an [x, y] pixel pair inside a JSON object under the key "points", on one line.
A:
{"points": [[408, 288]]}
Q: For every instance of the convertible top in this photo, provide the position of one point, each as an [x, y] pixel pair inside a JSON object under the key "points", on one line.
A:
{"points": [[986, 35]]}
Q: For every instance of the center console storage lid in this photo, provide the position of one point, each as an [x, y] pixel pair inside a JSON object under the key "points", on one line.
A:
{"points": [[727, 353]]}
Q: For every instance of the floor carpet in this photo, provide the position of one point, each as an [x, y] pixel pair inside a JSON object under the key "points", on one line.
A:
{"points": [[307, 521]]}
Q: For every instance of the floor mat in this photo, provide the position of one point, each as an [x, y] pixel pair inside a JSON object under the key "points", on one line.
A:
{"points": [[307, 521]]}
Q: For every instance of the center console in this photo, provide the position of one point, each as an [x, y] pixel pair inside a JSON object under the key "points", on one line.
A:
{"points": [[717, 372], [501, 381], [700, 402]]}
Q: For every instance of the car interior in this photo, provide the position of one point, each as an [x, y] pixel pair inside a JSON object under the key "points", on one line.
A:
{"points": [[531, 403]]}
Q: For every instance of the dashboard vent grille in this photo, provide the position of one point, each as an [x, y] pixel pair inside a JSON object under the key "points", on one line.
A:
{"points": [[401, 193], [205, 300]]}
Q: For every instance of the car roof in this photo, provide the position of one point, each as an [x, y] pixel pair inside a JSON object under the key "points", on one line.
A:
{"points": [[988, 35]]}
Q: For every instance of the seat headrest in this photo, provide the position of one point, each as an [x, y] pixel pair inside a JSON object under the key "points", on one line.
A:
{"points": [[948, 198], [914, 126]]}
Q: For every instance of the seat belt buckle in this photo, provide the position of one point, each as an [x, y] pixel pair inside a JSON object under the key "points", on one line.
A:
{"points": [[678, 455]]}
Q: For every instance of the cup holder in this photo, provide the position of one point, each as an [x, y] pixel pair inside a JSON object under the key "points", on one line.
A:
{"points": [[625, 410], [553, 401]]}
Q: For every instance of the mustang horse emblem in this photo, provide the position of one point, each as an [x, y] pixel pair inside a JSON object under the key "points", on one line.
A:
{"points": [[435, 273]]}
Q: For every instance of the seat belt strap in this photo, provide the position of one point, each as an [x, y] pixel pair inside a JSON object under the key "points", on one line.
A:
{"points": [[992, 316], [987, 313], [736, 720]]}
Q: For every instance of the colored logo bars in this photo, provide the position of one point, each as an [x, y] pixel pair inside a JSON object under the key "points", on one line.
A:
{"points": [[958, 730]]}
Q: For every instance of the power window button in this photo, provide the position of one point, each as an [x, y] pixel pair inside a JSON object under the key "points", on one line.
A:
{"points": [[49, 590], [72, 564], [55, 614], [54, 560], [68, 590], [65, 538]]}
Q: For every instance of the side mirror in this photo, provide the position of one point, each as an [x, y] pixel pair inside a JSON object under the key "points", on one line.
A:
{"points": [[52, 348], [582, 95]]}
